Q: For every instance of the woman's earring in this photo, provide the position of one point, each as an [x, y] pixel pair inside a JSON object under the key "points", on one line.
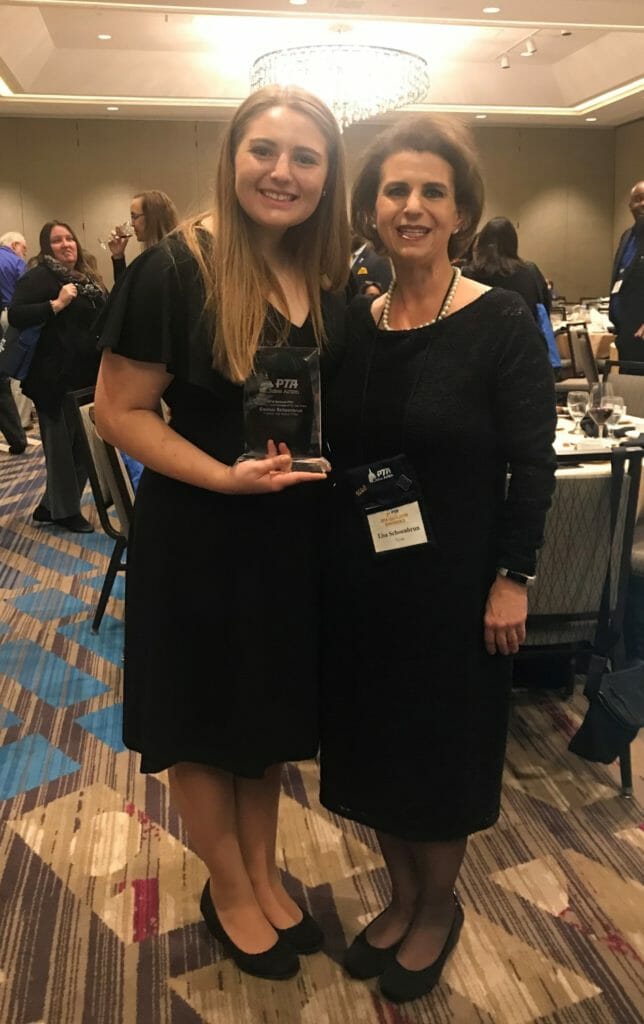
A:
{"points": [[323, 192]]}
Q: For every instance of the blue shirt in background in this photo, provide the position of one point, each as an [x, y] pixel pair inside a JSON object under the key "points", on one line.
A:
{"points": [[12, 267]]}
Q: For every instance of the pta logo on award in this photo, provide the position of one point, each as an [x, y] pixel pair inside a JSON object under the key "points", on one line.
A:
{"points": [[286, 383], [380, 474]]}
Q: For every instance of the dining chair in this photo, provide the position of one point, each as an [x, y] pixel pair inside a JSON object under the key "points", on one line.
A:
{"points": [[578, 603], [111, 489], [585, 371]]}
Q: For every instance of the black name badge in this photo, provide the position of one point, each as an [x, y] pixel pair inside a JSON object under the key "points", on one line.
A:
{"points": [[390, 498], [282, 405]]}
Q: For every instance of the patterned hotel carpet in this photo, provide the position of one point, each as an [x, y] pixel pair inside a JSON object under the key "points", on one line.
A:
{"points": [[99, 917]]}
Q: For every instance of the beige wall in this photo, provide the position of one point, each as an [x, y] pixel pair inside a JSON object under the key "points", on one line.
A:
{"points": [[629, 168], [558, 185], [86, 172]]}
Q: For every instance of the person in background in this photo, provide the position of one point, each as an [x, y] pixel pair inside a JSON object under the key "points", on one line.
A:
{"points": [[371, 288], [64, 295], [153, 215], [367, 265], [496, 263], [626, 310], [224, 555], [13, 255], [444, 392]]}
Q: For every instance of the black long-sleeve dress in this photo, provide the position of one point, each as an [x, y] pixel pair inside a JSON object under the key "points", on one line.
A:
{"points": [[414, 711], [222, 598]]}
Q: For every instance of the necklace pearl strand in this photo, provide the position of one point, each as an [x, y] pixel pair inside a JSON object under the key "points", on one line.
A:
{"points": [[442, 313]]}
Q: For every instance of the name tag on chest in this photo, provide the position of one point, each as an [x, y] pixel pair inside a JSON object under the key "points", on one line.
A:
{"points": [[394, 528]]}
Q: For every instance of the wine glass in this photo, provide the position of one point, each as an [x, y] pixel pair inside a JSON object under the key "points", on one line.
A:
{"points": [[578, 407], [124, 230], [619, 410], [600, 405]]}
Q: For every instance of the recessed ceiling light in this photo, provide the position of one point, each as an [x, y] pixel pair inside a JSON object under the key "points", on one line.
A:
{"points": [[298, 3], [591, 118], [566, 32], [112, 108], [488, 10], [103, 36], [480, 117]]}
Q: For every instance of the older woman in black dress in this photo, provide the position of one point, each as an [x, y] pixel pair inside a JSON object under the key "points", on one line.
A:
{"points": [[445, 387]]}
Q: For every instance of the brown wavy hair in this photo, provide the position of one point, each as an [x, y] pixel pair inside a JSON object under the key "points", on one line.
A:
{"points": [[160, 214], [81, 266], [236, 277], [425, 133]]}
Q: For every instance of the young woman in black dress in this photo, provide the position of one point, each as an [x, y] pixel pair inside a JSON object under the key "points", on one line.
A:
{"points": [[223, 571], [445, 387]]}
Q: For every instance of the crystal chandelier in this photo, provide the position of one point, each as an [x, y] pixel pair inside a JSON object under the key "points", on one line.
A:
{"points": [[355, 81]]}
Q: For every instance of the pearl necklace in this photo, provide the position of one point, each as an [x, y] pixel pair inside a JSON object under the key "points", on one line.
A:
{"points": [[442, 313]]}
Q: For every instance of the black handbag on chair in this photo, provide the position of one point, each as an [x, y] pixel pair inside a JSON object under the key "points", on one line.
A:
{"points": [[616, 695], [615, 712]]}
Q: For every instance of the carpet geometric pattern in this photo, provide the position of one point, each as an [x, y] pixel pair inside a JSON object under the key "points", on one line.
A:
{"points": [[99, 889]]}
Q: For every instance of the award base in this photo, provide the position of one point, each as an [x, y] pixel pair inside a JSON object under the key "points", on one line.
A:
{"points": [[300, 463]]}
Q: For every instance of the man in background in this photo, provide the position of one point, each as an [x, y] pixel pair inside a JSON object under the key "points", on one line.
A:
{"points": [[13, 255], [627, 283]]}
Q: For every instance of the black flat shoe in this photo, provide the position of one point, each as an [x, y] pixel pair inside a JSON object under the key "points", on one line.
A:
{"points": [[75, 524], [304, 937], [401, 985], [41, 514], [363, 961], [276, 964]]}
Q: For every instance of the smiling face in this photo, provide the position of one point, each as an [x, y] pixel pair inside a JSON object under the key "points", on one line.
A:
{"points": [[63, 246], [281, 166], [416, 210]]}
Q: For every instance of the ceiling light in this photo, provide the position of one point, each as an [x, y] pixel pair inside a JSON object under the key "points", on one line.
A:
{"points": [[505, 62], [566, 32], [298, 3], [112, 108], [591, 118], [491, 10], [480, 117], [530, 48], [337, 72], [103, 36]]}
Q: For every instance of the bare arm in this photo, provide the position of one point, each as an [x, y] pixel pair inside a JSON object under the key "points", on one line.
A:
{"points": [[128, 393]]}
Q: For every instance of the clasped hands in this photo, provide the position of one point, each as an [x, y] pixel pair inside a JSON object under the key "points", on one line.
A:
{"points": [[264, 476]]}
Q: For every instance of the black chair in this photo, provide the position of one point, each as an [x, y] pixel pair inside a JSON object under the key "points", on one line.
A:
{"points": [[111, 490], [578, 603]]}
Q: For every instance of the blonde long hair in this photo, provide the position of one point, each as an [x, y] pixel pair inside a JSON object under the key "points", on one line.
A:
{"points": [[237, 279]]}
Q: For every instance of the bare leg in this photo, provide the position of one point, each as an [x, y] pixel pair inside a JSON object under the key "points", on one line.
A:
{"points": [[205, 798], [257, 810], [392, 924], [438, 865]]}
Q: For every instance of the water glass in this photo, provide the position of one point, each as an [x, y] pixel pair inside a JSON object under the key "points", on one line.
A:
{"points": [[619, 410], [577, 407]]}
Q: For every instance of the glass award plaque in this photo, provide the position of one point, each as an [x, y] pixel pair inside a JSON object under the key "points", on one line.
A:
{"points": [[282, 404]]}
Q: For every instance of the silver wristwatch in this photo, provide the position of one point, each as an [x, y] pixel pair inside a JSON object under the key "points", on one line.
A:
{"points": [[517, 577]]}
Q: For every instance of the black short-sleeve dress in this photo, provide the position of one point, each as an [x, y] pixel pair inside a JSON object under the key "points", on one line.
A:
{"points": [[414, 711], [222, 618]]}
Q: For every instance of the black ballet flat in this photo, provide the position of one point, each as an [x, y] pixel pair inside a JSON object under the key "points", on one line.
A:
{"points": [[363, 961], [304, 937], [278, 963], [401, 985]]}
